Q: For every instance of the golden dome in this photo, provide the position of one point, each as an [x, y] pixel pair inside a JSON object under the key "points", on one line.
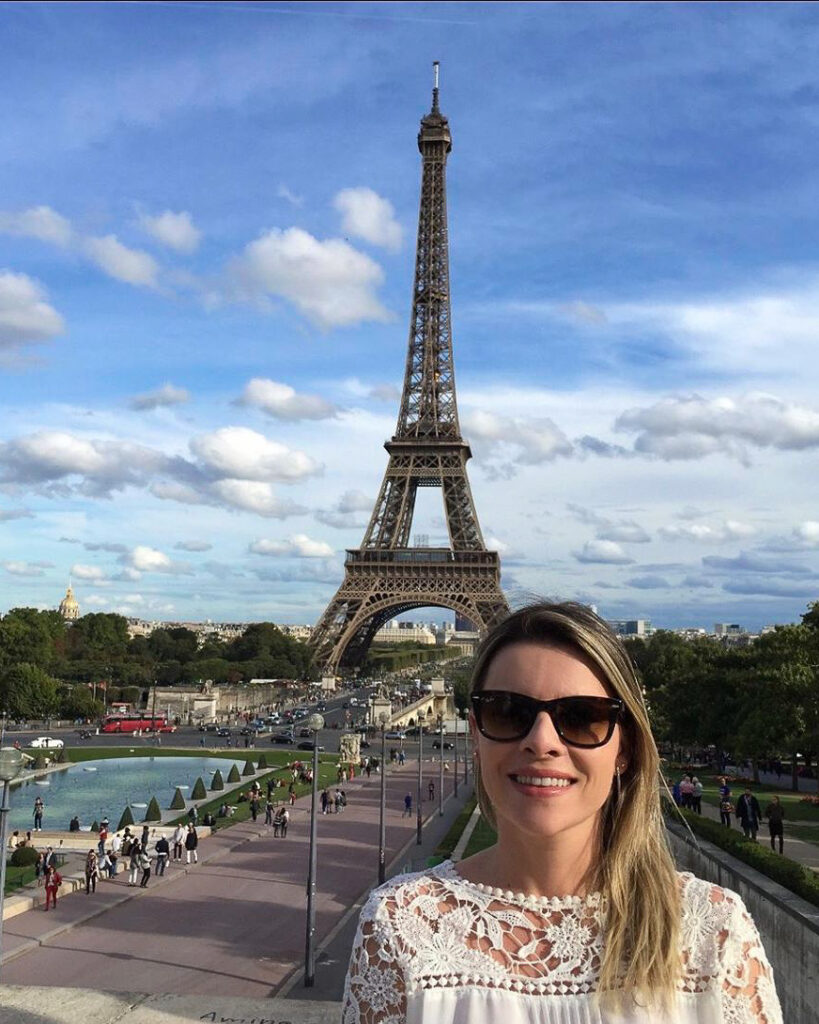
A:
{"points": [[69, 608]]}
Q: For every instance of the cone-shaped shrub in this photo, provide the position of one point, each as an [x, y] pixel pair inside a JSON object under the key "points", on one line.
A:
{"points": [[248, 768], [217, 782], [39, 762], [199, 791], [95, 826], [233, 775], [126, 819], [262, 762], [178, 802], [153, 813]]}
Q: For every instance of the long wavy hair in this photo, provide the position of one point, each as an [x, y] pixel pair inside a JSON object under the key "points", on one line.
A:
{"points": [[633, 869]]}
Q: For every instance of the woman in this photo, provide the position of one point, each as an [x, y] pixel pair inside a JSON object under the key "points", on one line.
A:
{"points": [[133, 863], [144, 862], [92, 872], [53, 881], [191, 843], [576, 914]]}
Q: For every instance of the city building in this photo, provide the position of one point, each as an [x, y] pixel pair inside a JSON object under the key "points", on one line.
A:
{"points": [[631, 627], [69, 608], [396, 632], [728, 629]]}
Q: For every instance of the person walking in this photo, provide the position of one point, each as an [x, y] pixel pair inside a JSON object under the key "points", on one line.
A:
{"points": [[726, 809], [163, 852], [775, 813], [407, 806], [133, 863], [53, 880], [191, 843], [325, 799], [749, 814], [39, 868], [145, 866], [285, 822], [696, 795], [178, 841], [431, 789], [103, 837], [268, 811], [254, 805], [38, 814], [337, 801], [686, 791], [92, 872]]}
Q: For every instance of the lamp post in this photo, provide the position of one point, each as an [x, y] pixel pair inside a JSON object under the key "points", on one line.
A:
{"points": [[455, 756], [314, 723], [383, 718], [466, 752], [418, 815], [11, 763], [441, 767]]}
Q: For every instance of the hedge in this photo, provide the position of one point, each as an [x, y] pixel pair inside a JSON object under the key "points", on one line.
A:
{"points": [[217, 782], [153, 813], [23, 857], [199, 791], [786, 872], [248, 769], [233, 775], [126, 819], [262, 762], [178, 802]]}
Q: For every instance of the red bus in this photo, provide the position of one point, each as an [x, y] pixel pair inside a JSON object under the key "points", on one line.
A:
{"points": [[136, 721]]}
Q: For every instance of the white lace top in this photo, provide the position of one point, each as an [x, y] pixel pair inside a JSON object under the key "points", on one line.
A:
{"points": [[434, 947]]}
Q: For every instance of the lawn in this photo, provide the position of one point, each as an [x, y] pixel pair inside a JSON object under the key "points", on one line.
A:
{"points": [[17, 877], [795, 809]]}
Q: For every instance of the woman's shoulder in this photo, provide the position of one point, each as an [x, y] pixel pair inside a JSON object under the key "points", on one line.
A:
{"points": [[709, 910], [403, 889]]}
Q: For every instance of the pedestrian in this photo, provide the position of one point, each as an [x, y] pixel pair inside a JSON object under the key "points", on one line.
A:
{"points": [[53, 880], [325, 800], [696, 795], [103, 836], [254, 805], [401, 757], [686, 791], [268, 811], [775, 813], [127, 842], [726, 809], [133, 864], [163, 852], [146, 832], [431, 789], [178, 839], [39, 868], [285, 822], [749, 814], [407, 806], [291, 789], [567, 936], [50, 858], [92, 872], [38, 814], [337, 801], [116, 845], [191, 843], [145, 867]]}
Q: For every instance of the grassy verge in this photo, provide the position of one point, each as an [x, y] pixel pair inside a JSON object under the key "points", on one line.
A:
{"points": [[795, 808], [786, 872], [16, 878], [481, 838], [450, 840]]}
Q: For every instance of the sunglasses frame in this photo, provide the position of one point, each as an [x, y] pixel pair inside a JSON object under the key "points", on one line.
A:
{"points": [[616, 709]]}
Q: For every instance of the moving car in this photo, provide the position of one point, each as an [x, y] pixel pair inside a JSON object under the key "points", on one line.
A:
{"points": [[281, 737], [223, 732], [47, 743], [396, 734], [308, 745], [436, 745]]}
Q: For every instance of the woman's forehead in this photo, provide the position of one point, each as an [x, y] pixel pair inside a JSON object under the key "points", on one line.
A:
{"points": [[546, 670]]}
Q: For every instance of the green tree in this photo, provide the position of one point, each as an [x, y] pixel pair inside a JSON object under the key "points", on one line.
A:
{"points": [[233, 774], [199, 791], [27, 691], [153, 813], [217, 781], [126, 819], [178, 802], [78, 702], [248, 769], [30, 636]]}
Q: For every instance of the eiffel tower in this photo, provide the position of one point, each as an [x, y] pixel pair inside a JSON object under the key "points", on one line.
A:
{"points": [[385, 576]]}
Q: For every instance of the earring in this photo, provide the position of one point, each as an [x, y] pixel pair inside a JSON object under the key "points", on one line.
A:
{"points": [[619, 784]]}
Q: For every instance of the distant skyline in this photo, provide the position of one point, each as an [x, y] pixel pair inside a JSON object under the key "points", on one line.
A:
{"points": [[207, 226]]}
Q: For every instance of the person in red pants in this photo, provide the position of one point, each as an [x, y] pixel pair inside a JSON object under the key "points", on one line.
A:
{"points": [[53, 880]]}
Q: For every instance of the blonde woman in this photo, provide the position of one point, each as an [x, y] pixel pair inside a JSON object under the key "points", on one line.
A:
{"points": [[576, 915]]}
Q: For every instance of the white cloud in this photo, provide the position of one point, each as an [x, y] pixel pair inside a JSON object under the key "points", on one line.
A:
{"points": [[690, 427], [39, 222], [25, 315], [146, 559], [528, 442], [330, 282], [299, 545], [174, 230], [133, 266], [606, 552], [166, 395], [255, 496], [808, 532], [193, 545], [283, 402], [345, 514], [22, 568], [8, 514], [731, 529], [365, 214], [89, 572], [247, 455], [283, 192], [625, 531]]}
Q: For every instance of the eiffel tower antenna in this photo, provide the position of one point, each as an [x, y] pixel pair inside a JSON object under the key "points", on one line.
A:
{"points": [[385, 576]]}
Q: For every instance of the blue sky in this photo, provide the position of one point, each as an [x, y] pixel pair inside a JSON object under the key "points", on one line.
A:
{"points": [[207, 223]]}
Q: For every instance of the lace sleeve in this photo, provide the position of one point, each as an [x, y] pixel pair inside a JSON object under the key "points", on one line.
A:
{"points": [[748, 994], [374, 991]]}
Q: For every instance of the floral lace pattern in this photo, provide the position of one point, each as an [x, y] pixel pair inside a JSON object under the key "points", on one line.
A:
{"points": [[436, 930]]}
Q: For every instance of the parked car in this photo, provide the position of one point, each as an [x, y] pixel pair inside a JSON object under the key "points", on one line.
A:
{"points": [[396, 734], [85, 734], [306, 732], [223, 732], [281, 737], [211, 727], [308, 745], [47, 743], [436, 745]]}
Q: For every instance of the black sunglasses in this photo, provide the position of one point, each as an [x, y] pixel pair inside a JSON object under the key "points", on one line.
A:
{"points": [[579, 721]]}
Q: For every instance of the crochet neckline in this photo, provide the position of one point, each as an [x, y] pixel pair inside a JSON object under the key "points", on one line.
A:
{"points": [[448, 870]]}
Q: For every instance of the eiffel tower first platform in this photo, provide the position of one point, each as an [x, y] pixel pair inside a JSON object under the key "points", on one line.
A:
{"points": [[385, 576]]}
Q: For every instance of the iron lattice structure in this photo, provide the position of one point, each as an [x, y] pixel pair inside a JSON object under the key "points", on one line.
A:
{"points": [[385, 576]]}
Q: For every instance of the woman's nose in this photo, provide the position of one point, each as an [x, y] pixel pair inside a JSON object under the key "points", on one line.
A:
{"points": [[543, 737]]}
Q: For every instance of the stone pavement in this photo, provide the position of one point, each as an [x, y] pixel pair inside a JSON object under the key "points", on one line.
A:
{"points": [[230, 928]]}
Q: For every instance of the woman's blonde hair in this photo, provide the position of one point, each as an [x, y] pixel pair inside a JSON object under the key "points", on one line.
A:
{"points": [[634, 870]]}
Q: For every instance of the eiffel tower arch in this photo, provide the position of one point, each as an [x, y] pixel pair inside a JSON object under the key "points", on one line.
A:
{"points": [[385, 576]]}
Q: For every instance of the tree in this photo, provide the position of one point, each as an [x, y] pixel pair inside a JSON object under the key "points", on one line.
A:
{"points": [[27, 691], [248, 769], [233, 774], [153, 813], [30, 636], [217, 782], [199, 791], [126, 819], [178, 802], [99, 637], [78, 702]]}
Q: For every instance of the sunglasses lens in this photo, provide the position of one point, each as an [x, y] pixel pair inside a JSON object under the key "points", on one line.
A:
{"points": [[505, 716], [584, 721]]}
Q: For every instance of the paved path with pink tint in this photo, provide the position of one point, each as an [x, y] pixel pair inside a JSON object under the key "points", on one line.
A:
{"points": [[234, 924]]}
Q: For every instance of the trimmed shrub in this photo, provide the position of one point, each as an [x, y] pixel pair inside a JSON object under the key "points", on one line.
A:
{"points": [[39, 762], [248, 768], [199, 791], [217, 782], [59, 755], [178, 802], [153, 813], [233, 774], [262, 762], [126, 819], [95, 826], [23, 857]]}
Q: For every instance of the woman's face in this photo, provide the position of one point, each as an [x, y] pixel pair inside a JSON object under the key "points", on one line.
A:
{"points": [[546, 673]]}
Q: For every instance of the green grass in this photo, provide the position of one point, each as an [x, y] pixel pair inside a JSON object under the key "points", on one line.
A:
{"points": [[450, 840], [481, 838], [795, 809], [16, 878]]}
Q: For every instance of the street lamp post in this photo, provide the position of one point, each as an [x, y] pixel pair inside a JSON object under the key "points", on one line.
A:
{"points": [[419, 818], [441, 766], [314, 723], [382, 835], [11, 763], [455, 757], [466, 753]]}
